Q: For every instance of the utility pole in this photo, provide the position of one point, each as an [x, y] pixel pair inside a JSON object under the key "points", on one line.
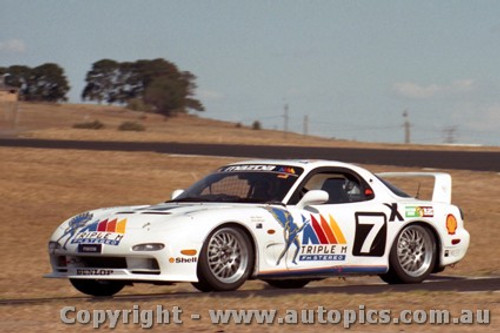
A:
{"points": [[285, 120], [16, 114], [306, 124], [450, 134], [406, 126], [9, 97]]}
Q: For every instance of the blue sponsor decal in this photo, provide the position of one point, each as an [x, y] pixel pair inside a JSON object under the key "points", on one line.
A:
{"points": [[74, 224]]}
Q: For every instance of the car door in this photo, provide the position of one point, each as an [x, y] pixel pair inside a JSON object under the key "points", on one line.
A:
{"points": [[347, 234]]}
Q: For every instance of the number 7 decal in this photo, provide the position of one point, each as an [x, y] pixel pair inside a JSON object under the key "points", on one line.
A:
{"points": [[371, 234]]}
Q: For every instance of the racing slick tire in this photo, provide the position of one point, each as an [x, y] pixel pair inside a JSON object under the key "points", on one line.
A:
{"points": [[97, 287]]}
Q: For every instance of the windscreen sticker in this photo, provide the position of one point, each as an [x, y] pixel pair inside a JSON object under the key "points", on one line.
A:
{"points": [[248, 167], [286, 170], [263, 167]]}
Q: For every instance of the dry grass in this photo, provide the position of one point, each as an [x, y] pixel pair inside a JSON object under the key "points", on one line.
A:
{"points": [[50, 121], [39, 188]]}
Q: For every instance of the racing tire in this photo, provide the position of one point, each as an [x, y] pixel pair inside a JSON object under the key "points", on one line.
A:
{"points": [[100, 288], [412, 257], [288, 284], [226, 260]]}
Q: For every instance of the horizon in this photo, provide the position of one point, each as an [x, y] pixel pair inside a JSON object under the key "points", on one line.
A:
{"points": [[351, 67]]}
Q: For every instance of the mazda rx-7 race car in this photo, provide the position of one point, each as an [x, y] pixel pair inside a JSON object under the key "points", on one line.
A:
{"points": [[286, 222]]}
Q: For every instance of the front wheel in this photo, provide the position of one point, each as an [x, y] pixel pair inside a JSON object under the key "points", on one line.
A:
{"points": [[97, 287], [412, 257], [226, 260]]}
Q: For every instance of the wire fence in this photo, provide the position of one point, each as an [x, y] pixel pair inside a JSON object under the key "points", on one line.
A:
{"points": [[427, 134]]}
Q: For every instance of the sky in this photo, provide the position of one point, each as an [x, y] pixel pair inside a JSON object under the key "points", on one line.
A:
{"points": [[352, 67]]}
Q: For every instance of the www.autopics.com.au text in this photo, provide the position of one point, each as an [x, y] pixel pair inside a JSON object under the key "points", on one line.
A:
{"points": [[147, 318]]}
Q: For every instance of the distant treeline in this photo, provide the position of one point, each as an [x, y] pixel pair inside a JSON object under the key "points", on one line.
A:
{"points": [[145, 85], [46, 82]]}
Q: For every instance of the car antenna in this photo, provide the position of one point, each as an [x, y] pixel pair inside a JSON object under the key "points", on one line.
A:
{"points": [[418, 191]]}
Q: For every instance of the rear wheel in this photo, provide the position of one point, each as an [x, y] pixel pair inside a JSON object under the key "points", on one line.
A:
{"points": [[288, 284], [412, 257], [226, 260], [97, 287]]}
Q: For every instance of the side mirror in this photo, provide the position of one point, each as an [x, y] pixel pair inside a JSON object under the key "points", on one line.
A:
{"points": [[313, 197], [176, 193]]}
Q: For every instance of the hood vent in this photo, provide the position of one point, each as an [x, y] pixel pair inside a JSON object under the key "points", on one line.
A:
{"points": [[156, 213]]}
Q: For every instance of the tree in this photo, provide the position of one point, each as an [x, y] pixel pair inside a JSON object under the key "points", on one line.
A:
{"points": [[165, 95], [46, 82], [18, 76], [101, 81], [158, 83], [191, 86], [172, 95]]}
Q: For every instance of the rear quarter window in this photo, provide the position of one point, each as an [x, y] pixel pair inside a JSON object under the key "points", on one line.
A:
{"points": [[394, 189]]}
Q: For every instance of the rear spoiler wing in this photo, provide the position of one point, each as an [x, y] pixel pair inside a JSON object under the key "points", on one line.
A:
{"points": [[442, 183]]}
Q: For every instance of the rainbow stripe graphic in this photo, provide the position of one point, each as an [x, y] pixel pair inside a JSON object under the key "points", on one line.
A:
{"points": [[109, 232], [287, 170], [108, 226], [319, 231]]}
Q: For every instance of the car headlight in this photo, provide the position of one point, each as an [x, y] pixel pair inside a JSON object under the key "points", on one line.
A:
{"points": [[54, 246], [148, 247]]}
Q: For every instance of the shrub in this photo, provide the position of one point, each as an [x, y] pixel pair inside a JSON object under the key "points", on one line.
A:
{"points": [[96, 124], [256, 125], [137, 104], [131, 126]]}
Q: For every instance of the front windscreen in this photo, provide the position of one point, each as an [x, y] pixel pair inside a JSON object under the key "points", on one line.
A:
{"points": [[259, 183]]}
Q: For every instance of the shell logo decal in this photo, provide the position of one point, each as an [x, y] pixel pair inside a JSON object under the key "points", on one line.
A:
{"points": [[451, 224]]}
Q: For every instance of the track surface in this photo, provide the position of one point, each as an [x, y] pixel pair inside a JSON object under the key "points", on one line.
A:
{"points": [[466, 160], [435, 283]]}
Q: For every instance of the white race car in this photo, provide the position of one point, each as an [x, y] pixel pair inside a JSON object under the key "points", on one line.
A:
{"points": [[286, 222]]}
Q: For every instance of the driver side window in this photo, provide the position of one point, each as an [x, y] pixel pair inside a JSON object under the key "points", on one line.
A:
{"points": [[341, 187]]}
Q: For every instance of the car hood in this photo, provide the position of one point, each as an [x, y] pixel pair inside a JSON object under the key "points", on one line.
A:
{"points": [[152, 217], [163, 210]]}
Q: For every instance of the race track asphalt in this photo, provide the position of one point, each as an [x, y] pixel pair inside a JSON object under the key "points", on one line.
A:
{"points": [[434, 283], [445, 159]]}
